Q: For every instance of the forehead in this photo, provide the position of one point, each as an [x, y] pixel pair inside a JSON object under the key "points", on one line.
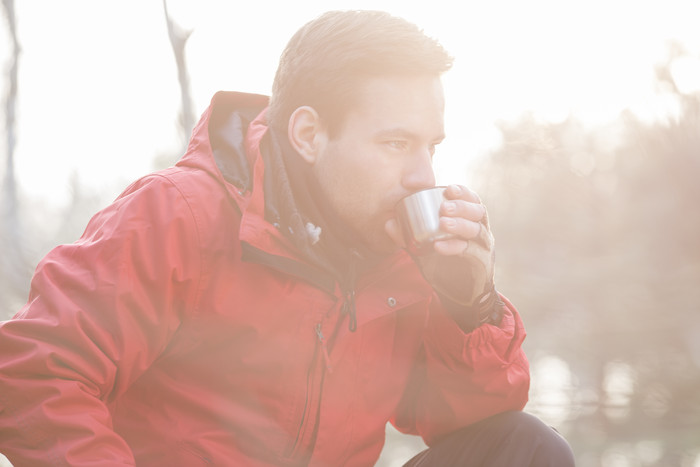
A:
{"points": [[413, 104]]}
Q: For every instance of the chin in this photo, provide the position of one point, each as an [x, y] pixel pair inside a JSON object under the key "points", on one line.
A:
{"points": [[382, 245]]}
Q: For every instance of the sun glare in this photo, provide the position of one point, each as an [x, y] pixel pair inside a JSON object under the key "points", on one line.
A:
{"points": [[114, 78]]}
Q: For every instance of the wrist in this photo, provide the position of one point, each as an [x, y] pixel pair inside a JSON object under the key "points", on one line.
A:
{"points": [[488, 308]]}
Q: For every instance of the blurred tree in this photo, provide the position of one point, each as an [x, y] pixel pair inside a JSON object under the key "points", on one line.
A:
{"points": [[599, 245], [178, 41], [14, 269]]}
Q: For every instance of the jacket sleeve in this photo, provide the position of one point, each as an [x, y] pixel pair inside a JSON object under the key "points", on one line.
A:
{"points": [[461, 378], [99, 312]]}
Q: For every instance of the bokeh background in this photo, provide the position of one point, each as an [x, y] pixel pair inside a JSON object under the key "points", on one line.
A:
{"points": [[578, 122]]}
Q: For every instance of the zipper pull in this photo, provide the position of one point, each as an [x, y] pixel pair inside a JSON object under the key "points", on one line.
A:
{"points": [[324, 347], [350, 309]]}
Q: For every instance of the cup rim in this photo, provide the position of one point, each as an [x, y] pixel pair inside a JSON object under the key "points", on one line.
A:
{"points": [[443, 187]]}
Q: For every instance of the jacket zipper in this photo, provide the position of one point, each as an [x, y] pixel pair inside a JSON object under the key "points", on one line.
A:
{"points": [[294, 449], [320, 365]]}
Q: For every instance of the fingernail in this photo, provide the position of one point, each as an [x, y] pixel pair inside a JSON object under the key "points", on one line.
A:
{"points": [[449, 223], [449, 207]]}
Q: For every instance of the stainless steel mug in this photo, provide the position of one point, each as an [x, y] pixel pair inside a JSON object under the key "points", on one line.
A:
{"points": [[419, 217]]}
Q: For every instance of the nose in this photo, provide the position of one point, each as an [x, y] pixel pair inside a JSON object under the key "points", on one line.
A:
{"points": [[419, 173]]}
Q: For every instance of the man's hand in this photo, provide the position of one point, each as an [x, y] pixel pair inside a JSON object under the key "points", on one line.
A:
{"points": [[465, 217], [461, 268]]}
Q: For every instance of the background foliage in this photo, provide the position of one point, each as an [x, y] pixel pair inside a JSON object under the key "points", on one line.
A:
{"points": [[598, 235]]}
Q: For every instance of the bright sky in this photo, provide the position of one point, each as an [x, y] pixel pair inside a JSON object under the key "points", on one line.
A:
{"points": [[99, 95]]}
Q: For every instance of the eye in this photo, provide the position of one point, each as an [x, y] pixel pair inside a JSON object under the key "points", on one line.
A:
{"points": [[398, 145]]}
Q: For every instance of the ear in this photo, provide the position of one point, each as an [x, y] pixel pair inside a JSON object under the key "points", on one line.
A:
{"points": [[306, 133]]}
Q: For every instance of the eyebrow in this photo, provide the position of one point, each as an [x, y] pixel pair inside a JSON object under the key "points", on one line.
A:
{"points": [[402, 133]]}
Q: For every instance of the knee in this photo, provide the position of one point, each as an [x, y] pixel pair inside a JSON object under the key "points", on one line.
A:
{"points": [[515, 439], [548, 447]]}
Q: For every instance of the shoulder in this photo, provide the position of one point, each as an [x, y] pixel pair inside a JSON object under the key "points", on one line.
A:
{"points": [[178, 193], [185, 183]]}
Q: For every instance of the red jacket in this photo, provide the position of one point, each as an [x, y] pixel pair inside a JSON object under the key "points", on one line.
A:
{"points": [[183, 329]]}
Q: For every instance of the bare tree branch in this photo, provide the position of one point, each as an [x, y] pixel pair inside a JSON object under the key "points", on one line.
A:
{"points": [[178, 41], [13, 265], [10, 106]]}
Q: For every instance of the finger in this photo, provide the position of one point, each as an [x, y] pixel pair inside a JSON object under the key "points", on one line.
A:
{"points": [[460, 227], [460, 208], [463, 193], [451, 247]]}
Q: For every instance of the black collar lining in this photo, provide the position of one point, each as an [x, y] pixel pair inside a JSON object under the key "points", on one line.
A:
{"points": [[311, 274]]}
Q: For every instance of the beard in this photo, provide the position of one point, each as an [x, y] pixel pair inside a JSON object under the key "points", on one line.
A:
{"points": [[347, 224], [376, 237]]}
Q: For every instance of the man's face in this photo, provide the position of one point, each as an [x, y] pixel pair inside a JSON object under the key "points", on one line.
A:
{"points": [[382, 153]]}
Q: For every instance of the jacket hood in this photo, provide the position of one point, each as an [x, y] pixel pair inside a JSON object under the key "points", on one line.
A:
{"points": [[225, 144], [218, 143]]}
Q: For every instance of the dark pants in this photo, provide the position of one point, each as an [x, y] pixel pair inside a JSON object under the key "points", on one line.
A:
{"points": [[510, 439]]}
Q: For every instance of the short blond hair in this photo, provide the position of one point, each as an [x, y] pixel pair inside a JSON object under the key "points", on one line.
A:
{"points": [[326, 61]]}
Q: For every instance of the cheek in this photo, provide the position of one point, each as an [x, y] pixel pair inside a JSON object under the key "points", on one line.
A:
{"points": [[357, 180], [350, 190], [346, 171]]}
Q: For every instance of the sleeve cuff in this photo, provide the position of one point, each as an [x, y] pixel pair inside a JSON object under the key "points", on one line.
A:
{"points": [[488, 308]]}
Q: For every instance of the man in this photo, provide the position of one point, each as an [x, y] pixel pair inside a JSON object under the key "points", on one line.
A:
{"points": [[252, 305]]}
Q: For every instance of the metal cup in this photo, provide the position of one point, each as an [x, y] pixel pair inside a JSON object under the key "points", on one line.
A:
{"points": [[419, 216]]}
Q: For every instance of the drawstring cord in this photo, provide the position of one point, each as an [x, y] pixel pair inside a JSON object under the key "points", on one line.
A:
{"points": [[350, 309], [324, 348]]}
